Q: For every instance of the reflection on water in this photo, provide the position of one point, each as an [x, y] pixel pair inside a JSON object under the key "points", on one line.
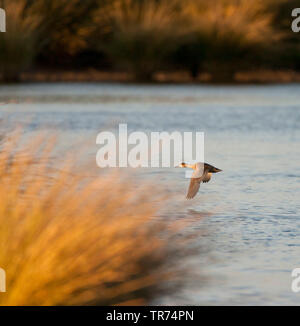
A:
{"points": [[250, 211]]}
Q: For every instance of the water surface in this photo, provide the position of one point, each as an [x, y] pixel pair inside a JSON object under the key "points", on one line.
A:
{"points": [[252, 133]]}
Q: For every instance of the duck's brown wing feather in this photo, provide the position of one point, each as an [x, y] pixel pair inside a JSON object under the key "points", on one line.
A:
{"points": [[193, 187], [195, 184]]}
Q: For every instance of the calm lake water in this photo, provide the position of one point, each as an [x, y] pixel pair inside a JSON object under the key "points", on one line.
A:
{"points": [[251, 209]]}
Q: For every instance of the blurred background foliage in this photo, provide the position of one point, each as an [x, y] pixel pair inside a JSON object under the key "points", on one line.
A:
{"points": [[143, 37]]}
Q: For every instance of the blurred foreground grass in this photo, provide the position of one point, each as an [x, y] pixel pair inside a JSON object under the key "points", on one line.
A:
{"points": [[70, 240]]}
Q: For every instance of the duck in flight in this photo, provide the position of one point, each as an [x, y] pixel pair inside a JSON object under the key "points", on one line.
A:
{"points": [[202, 173]]}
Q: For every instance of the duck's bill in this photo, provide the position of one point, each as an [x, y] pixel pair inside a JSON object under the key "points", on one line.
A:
{"points": [[216, 170]]}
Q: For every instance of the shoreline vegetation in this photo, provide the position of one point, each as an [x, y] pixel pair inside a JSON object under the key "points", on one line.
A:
{"points": [[180, 77], [220, 41]]}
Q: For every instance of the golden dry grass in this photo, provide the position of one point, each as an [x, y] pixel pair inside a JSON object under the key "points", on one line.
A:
{"points": [[229, 35], [70, 240], [248, 21]]}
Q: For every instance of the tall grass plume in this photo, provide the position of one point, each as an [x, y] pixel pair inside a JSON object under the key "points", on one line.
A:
{"points": [[138, 35], [69, 239]]}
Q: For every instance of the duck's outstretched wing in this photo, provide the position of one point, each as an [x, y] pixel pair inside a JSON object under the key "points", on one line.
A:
{"points": [[193, 187], [196, 181]]}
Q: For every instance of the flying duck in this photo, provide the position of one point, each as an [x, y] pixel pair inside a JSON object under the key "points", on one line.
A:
{"points": [[202, 173]]}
